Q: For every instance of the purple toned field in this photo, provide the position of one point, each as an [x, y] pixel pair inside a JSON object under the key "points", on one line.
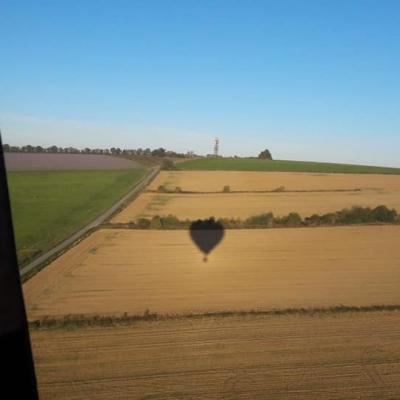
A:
{"points": [[51, 161]]}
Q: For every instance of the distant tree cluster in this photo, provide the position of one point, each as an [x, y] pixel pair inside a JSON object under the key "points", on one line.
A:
{"points": [[168, 165], [265, 155], [160, 152]]}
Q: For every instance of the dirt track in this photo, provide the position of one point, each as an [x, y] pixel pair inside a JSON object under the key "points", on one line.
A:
{"points": [[117, 271], [345, 357]]}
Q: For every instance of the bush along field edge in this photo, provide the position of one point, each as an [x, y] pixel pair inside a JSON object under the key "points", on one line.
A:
{"points": [[348, 216]]}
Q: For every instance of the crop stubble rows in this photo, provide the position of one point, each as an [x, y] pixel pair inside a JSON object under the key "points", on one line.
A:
{"points": [[344, 356], [116, 271], [214, 181], [304, 193], [329, 357]]}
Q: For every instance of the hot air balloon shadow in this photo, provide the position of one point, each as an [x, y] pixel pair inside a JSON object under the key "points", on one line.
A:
{"points": [[206, 234]]}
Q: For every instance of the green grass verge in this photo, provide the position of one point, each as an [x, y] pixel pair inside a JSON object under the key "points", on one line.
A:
{"points": [[254, 164], [48, 206]]}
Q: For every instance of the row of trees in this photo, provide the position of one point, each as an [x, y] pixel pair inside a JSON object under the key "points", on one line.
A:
{"points": [[160, 152], [348, 216]]}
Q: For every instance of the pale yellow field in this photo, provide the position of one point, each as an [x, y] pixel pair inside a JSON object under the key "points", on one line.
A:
{"points": [[322, 193], [330, 357], [116, 271], [338, 357], [214, 181], [243, 205]]}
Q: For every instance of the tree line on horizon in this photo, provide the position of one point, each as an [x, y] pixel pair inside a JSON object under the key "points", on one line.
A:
{"points": [[159, 152], [115, 151]]}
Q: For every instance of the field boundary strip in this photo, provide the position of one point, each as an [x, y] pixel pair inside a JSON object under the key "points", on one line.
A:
{"points": [[29, 270], [273, 191], [380, 215], [133, 227], [78, 320]]}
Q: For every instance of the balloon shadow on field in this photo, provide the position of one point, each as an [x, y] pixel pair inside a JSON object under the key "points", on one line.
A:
{"points": [[206, 234]]}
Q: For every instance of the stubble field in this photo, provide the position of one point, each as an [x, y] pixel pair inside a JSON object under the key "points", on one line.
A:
{"points": [[329, 357], [254, 193], [324, 355], [116, 271], [214, 181], [244, 205]]}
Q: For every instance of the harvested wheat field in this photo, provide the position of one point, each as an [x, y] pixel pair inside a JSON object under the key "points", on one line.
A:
{"points": [[332, 357], [214, 181], [305, 193], [243, 205], [116, 271]]}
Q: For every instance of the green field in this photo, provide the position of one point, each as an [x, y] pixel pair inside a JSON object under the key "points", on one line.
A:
{"points": [[48, 206], [254, 164]]}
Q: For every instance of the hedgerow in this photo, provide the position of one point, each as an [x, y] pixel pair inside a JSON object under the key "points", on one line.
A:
{"points": [[347, 216]]}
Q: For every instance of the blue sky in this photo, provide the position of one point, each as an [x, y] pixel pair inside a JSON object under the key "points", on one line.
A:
{"points": [[310, 80]]}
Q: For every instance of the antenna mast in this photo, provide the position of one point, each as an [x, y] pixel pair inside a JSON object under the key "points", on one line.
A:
{"points": [[216, 147]]}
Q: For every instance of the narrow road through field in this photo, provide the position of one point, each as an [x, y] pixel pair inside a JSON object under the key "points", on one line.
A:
{"points": [[93, 224]]}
